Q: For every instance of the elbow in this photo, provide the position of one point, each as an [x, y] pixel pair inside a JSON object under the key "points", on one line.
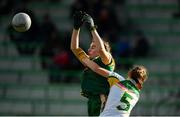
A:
{"points": [[73, 48]]}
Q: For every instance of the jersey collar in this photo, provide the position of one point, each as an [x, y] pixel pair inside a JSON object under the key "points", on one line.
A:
{"points": [[134, 82]]}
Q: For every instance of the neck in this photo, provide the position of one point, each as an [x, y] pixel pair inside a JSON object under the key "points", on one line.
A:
{"points": [[136, 84], [139, 86]]}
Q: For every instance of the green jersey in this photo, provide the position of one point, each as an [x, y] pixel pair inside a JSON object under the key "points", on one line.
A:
{"points": [[94, 84]]}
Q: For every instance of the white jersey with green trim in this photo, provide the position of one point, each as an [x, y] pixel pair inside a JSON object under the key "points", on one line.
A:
{"points": [[122, 97]]}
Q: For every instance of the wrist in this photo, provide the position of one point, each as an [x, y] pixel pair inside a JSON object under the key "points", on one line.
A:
{"points": [[113, 74], [93, 28], [76, 29]]}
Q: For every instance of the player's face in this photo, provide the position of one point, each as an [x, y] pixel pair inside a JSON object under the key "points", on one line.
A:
{"points": [[92, 51]]}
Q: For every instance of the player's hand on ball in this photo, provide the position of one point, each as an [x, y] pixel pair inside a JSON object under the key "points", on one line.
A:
{"points": [[89, 22], [78, 19]]}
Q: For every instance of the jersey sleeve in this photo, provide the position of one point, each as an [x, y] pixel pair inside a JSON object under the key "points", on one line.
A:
{"points": [[116, 75], [112, 64]]}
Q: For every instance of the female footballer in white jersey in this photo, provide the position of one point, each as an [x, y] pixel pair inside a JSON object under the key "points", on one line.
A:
{"points": [[124, 93]]}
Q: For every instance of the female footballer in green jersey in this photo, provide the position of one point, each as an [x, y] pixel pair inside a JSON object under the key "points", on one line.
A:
{"points": [[93, 85]]}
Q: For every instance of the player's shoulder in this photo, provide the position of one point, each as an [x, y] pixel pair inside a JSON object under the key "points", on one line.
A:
{"points": [[112, 62], [117, 76]]}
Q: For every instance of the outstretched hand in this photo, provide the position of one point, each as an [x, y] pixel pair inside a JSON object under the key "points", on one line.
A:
{"points": [[78, 19], [89, 22]]}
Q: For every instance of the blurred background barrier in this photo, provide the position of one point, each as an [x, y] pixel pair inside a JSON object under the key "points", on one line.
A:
{"points": [[40, 76]]}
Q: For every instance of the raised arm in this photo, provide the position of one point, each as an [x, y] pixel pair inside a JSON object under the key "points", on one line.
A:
{"points": [[78, 21], [77, 51], [104, 54]]}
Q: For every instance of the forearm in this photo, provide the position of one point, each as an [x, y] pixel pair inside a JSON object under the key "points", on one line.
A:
{"points": [[98, 40], [84, 59], [104, 54], [75, 39], [95, 67]]}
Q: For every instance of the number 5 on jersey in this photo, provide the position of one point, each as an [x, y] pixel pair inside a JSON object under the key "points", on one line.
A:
{"points": [[125, 102]]}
